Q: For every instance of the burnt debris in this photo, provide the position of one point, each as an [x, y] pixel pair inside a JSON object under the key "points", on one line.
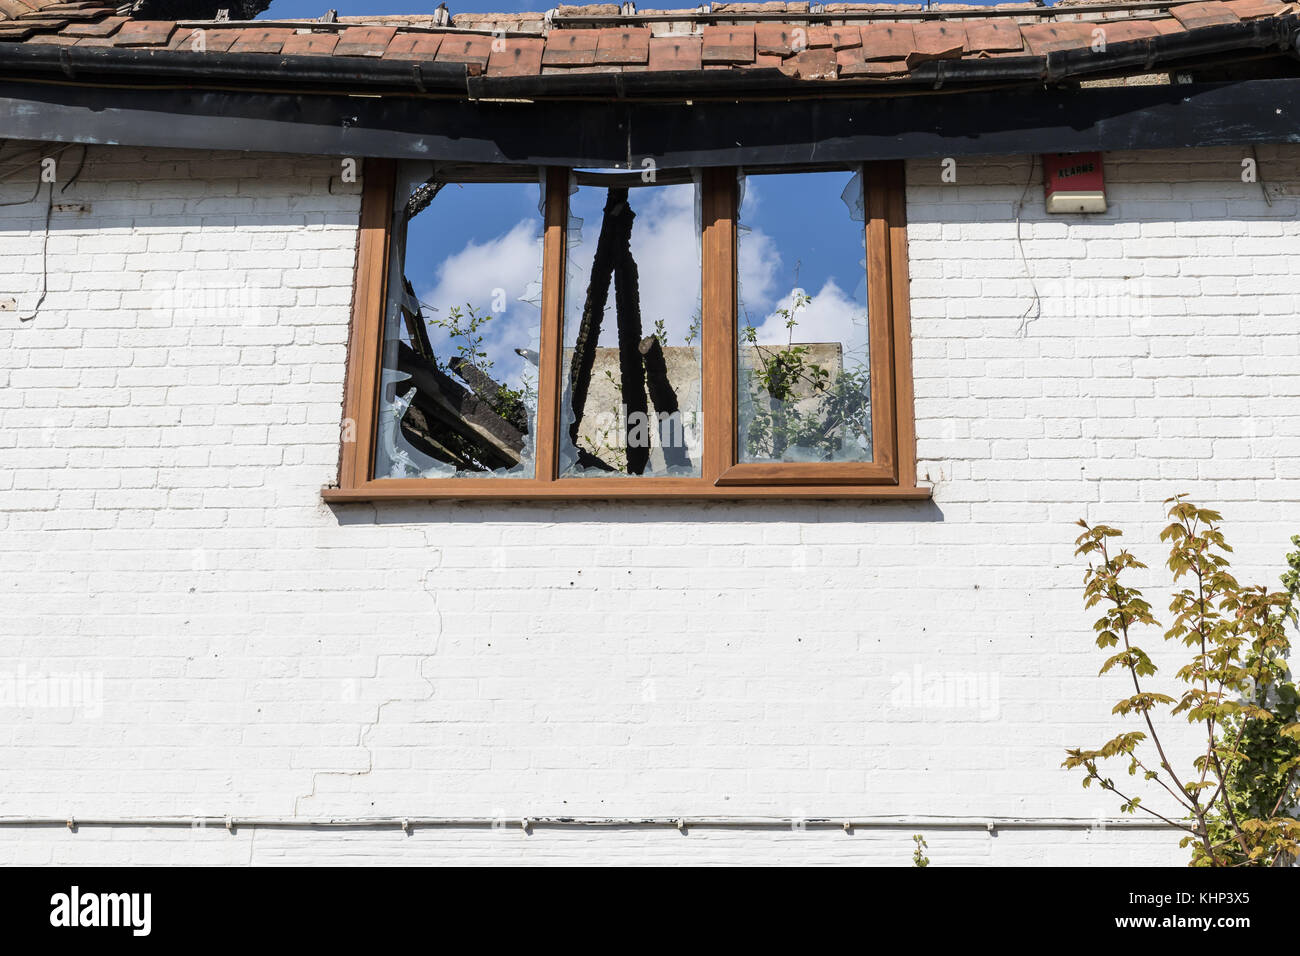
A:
{"points": [[197, 9]]}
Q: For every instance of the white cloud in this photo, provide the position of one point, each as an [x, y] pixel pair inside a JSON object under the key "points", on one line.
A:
{"points": [[666, 249], [831, 316], [509, 262], [667, 254]]}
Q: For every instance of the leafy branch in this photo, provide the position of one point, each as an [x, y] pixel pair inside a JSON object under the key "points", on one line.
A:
{"points": [[1234, 804], [784, 378]]}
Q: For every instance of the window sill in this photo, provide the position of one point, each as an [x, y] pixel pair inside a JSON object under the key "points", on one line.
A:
{"points": [[597, 489]]}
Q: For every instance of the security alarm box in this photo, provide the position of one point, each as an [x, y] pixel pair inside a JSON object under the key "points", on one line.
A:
{"points": [[1074, 182]]}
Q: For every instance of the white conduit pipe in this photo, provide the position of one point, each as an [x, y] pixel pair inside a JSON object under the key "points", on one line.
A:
{"points": [[989, 824]]}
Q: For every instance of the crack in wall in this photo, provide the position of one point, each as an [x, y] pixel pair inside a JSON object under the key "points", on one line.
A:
{"points": [[363, 737]]}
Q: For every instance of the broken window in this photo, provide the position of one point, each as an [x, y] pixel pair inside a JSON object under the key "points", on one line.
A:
{"points": [[631, 360], [458, 389], [546, 333], [804, 369]]}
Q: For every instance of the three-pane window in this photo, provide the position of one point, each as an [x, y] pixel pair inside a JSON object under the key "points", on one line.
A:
{"points": [[522, 332]]}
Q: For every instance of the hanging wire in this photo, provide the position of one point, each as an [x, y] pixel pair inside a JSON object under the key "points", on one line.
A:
{"points": [[45, 254], [45, 236], [1036, 307]]}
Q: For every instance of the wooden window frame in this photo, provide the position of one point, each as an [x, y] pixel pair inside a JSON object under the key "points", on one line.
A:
{"points": [[891, 475]]}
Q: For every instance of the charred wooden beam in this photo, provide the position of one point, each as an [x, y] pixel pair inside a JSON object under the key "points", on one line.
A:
{"points": [[197, 9], [672, 433], [487, 388], [439, 395], [615, 224], [429, 439], [469, 444], [421, 197], [627, 305]]}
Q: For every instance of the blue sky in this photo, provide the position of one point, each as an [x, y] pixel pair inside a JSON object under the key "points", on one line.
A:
{"points": [[478, 244]]}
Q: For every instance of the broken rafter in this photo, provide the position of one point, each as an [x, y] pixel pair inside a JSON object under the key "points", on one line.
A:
{"points": [[240, 10], [421, 196], [452, 405], [615, 228], [488, 389], [417, 430], [627, 305], [672, 435]]}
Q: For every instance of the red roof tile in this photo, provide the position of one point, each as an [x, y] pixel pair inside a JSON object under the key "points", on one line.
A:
{"points": [[570, 48], [1253, 9], [260, 40], [1193, 15], [993, 36], [13, 9], [618, 45], [144, 33], [201, 40], [100, 28], [1167, 25], [816, 64], [364, 41], [310, 44], [411, 46], [773, 38], [471, 50], [676, 53], [937, 41], [846, 36], [728, 44], [871, 68], [888, 41], [1125, 30], [1044, 38], [819, 35], [517, 56]]}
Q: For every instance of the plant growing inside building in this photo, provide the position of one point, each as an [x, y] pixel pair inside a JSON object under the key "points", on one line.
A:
{"points": [[1237, 801], [796, 401], [464, 328]]}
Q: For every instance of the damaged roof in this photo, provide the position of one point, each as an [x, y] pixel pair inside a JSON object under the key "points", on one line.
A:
{"points": [[721, 44]]}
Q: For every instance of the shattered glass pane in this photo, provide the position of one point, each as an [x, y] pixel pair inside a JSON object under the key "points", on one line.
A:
{"points": [[804, 389], [462, 334], [631, 364]]}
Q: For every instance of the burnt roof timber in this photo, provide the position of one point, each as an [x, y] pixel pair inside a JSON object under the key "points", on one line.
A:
{"points": [[731, 132]]}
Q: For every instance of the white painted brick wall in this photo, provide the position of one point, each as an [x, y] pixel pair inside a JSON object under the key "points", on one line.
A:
{"points": [[162, 451]]}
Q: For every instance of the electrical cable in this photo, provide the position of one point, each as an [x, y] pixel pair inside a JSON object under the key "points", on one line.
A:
{"points": [[1037, 305], [49, 212], [990, 824]]}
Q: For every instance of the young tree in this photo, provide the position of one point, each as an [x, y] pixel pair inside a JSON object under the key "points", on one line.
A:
{"points": [[1236, 803]]}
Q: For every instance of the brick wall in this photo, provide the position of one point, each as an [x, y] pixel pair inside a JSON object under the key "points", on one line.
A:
{"points": [[171, 412]]}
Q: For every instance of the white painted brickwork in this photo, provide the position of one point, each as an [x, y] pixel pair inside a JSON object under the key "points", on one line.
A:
{"points": [[168, 418]]}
